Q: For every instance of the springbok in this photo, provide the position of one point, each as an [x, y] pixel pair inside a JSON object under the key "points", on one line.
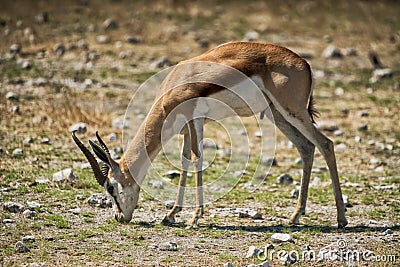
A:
{"points": [[283, 77]]}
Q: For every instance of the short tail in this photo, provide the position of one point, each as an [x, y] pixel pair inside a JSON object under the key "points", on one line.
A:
{"points": [[312, 111]]}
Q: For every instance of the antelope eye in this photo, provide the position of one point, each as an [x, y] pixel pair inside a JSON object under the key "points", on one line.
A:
{"points": [[110, 190]]}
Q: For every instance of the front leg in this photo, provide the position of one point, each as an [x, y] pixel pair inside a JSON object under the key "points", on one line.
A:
{"points": [[185, 157], [196, 130]]}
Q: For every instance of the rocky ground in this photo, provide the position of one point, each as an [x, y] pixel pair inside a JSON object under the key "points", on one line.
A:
{"points": [[76, 65]]}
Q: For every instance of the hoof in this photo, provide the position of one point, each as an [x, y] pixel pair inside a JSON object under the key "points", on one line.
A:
{"points": [[342, 224], [294, 220], [168, 220]]}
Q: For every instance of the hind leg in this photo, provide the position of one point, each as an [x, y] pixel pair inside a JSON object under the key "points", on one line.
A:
{"points": [[306, 150], [303, 123]]}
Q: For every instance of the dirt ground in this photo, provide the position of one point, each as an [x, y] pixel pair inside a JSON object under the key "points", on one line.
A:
{"points": [[82, 61]]}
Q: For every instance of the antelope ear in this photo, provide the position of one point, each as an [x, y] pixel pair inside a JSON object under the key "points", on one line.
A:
{"points": [[103, 156]]}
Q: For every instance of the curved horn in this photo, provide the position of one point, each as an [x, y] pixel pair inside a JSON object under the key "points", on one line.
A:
{"points": [[110, 161], [103, 145], [100, 177]]}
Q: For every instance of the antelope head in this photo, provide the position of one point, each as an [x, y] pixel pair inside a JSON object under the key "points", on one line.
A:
{"points": [[114, 177]]}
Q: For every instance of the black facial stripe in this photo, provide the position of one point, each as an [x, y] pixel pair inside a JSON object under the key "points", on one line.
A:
{"points": [[110, 190], [116, 202]]}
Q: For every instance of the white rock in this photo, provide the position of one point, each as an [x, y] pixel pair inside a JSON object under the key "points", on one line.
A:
{"points": [[258, 134], [15, 49], [42, 181], [340, 148], [59, 49], [378, 74], [120, 123], [21, 247], [250, 213], [112, 137], [251, 36], [156, 184], [281, 238], [169, 246], [379, 169], [29, 213], [173, 174], [285, 179], [64, 176], [80, 127], [110, 24], [338, 133], [29, 238], [388, 232], [26, 64], [327, 126], [339, 91], [13, 207], [332, 51], [32, 205], [315, 182], [295, 193], [76, 211], [100, 200], [160, 63], [18, 152], [103, 39]]}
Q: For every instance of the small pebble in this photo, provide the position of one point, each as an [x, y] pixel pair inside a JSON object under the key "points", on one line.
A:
{"points": [[112, 137], [80, 127], [281, 238], [66, 175], [18, 152], [363, 128], [295, 193], [168, 246], [173, 174], [80, 197], [102, 39], [156, 184], [251, 36], [363, 113], [20, 247], [13, 207], [339, 91], [270, 161], [285, 179], [110, 24], [29, 238], [29, 213], [338, 133], [15, 109], [340, 148], [388, 232]]}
